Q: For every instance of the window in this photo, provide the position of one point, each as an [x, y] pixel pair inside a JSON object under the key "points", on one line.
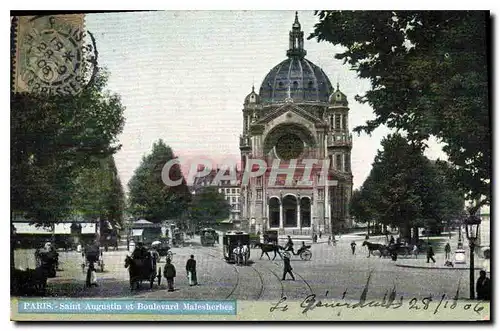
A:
{"points": [[347, 163], [233, 190], [344, 122], [338, 163], [337, 122], [234, 199], [331, 121], [228, 199]]}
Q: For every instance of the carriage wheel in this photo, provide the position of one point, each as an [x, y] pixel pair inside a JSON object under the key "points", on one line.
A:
{"points": [[306, 255], [159, 276], [286, 254]]}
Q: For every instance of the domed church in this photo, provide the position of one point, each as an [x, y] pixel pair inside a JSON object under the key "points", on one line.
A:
{"points": [[297, 116]]}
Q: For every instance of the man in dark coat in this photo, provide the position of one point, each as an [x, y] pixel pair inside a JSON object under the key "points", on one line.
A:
{"points": [[353, 247], [483, 286], [191, 268], [430, 254], [169, 273], [287, 268]]}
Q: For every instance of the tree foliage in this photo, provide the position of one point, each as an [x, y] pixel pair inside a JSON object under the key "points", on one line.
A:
{"points": [[209, 207], [406, 189], [149, 196], [429, 77], [99, 193], [52, 139]]}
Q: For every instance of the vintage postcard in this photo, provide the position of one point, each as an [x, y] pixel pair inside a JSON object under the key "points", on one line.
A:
{"points": [[250, 166]]}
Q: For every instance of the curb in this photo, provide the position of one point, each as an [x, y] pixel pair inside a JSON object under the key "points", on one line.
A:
{"points": [[425, 267]]}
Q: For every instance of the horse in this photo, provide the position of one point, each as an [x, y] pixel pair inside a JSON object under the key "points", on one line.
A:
{"points": [[241, 254], [137, 268], [374, 247], [270, 247]]}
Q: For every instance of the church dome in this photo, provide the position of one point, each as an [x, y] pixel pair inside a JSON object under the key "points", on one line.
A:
{"points": [[296, 77]]}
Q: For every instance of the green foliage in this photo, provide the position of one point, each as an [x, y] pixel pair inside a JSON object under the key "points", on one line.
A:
{"points": [[52, 139], [149, 197], [406, 189], [429, 77], [99, 192], [208, 207]]}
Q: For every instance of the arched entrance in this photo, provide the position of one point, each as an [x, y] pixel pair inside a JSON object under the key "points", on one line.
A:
{"points": [[289, 211], [305, 212], [274, 212]]}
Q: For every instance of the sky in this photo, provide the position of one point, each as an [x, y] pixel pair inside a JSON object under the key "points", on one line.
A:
{"points": [[183, 77]]}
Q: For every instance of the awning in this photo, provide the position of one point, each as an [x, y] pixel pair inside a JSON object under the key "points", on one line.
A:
{"points": [[137, 232], [88, 228]]}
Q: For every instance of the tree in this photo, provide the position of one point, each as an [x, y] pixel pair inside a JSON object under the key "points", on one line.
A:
{"points": [[149, 196], [98, 192], [407, 190], [429, 77], [52, 139], [359, 207], [209, 207]]}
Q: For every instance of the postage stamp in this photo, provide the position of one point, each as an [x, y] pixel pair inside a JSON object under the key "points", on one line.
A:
{"points": [[53, 54], [251, 166]]}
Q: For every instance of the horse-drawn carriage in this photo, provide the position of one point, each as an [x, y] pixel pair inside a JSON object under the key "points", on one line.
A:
{"points": [[304, 252], [236, 247], [208, 237], [92, 255], [177, 238], [392, 250], [142, 266]]}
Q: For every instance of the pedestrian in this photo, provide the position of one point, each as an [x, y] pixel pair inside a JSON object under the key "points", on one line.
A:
{"points": [[430, 254], [287, 269], [329, 240], [320, 234], [353, 247], [447, 250], [415, 250], [191, 271], [483, 286], [169, 273], [315, 238]]}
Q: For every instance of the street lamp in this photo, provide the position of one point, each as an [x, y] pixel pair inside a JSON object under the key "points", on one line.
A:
{"points": [[472, 230]]}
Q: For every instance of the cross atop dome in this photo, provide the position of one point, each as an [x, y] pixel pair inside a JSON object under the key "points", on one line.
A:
{"points": [[296, 40]]}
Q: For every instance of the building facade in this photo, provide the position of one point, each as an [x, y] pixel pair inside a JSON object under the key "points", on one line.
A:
{"points": [[296, 117]]}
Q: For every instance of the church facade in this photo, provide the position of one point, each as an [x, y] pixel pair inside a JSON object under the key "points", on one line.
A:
{"points": [[297, 117]]}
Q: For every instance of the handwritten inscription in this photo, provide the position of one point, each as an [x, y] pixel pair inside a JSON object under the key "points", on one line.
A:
{"points": [[389, 301]]}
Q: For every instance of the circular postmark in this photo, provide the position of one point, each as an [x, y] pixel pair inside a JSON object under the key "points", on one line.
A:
{"points": [[56, 57]]}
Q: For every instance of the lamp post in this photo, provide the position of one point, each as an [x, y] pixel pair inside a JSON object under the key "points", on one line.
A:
{"points": [[472, 230]]}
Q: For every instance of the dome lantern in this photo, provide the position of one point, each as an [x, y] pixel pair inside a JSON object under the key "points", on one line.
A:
{"points": [[296, 40]]}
